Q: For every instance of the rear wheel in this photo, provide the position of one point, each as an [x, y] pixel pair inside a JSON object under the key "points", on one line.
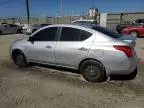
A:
{"points": [[92, 71], [20, 60], [134, 33], [118, 28]]}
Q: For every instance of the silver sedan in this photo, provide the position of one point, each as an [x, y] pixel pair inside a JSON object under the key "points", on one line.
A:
{"points": [[9, 28], [96, 52]]}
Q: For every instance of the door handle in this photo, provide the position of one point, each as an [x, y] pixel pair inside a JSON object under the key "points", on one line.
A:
{"points": [[83, 49], [49, 47]]}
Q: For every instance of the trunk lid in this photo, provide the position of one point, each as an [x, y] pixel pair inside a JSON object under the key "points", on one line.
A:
{"points": [[131, 40]]}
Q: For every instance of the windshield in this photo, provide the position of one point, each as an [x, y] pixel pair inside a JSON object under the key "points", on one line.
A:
{"points": [[108, 32], [139, 21]]}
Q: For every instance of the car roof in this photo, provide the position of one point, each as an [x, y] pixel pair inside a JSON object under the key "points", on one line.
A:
{"points": [[86, 25], [86, 28], [83, 20]]}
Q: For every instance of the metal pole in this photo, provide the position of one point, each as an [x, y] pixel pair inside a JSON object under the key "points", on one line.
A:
{"points": [[47, 19], [92, 8], [92, 3], [28, 12], [37, 19], [61, 7], [121, 17]]}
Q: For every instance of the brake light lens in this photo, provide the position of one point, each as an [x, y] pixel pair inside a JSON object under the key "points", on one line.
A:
{"points": [[127, 50]]}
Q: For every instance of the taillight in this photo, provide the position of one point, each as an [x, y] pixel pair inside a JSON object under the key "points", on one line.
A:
{"points": [[127, 50]]}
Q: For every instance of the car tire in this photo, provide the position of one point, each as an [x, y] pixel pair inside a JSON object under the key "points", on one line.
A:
{"points": [[135, 33], [0, 32], [118, 28], [19, 31], [20, 60], [93, 71]]}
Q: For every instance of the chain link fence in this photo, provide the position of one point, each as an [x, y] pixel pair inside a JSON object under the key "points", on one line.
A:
{"points": [[113, 19]]}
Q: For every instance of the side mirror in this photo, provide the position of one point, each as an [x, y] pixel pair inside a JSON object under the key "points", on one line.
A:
{"points": [[31, 39]]}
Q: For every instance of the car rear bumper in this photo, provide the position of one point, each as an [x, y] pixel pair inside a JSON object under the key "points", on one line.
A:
{"points": [[124, 68], [124, 77]]}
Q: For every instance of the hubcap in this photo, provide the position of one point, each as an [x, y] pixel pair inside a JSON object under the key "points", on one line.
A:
{"points": [[92, 71], [134, 33]]}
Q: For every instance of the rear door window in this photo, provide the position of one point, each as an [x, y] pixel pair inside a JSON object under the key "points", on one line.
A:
{"points": [[70, 34], [73, 34], [85, 35]]}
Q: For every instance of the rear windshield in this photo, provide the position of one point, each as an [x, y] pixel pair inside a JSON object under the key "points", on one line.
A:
{"points": [[107, 32]]}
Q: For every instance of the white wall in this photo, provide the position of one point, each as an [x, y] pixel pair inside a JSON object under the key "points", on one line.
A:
{"points": [[103, 19]]}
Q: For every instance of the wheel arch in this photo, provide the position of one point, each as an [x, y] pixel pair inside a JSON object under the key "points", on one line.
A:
{"points": [[16, 51]]}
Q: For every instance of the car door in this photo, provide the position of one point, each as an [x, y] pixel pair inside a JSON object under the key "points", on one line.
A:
{"points": [[14, 28], [11, 28], [71, 47], [40, 47], [6, 29]]}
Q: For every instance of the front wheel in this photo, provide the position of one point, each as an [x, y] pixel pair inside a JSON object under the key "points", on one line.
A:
{"points": [[19, 31], [20, 60], [93, 71]]}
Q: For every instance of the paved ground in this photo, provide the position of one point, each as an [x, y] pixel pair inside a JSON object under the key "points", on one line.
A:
{"points": [[140, 48], [48, 88]]}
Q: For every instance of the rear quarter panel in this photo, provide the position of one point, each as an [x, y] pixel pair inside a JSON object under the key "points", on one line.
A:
{"points": [[102, 50]]}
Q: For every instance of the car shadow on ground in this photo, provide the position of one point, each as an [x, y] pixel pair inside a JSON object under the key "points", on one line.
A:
{"points": [[140, 37], [8, 64], [112, 77]]}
